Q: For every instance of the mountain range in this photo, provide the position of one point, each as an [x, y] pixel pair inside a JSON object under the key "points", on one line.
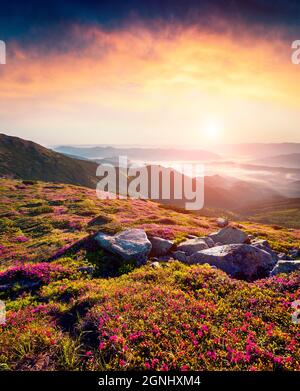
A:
{"points": [[144, 154], [291, 160], [27, 160]]}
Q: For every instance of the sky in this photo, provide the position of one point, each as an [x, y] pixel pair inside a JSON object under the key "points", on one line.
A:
{"points": [[169, 73]]}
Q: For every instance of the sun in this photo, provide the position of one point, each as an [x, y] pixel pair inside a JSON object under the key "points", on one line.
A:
{"points": [[211, 130]]}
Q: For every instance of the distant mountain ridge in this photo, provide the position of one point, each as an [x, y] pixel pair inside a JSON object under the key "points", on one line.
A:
{"points": [[260, 150], [145, 154], [291, 160]]}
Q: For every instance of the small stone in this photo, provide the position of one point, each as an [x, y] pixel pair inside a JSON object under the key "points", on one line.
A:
{"points": [[222, 222], [155, 265]]}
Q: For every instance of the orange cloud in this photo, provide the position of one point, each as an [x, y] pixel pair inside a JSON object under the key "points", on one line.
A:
{"points": [[151, 69], [168, 58]]}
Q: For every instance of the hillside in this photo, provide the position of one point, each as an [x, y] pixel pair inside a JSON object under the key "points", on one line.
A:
{"points": [[60, 316], [232, 193], [27, 160], [30, 161], [281, 212]]}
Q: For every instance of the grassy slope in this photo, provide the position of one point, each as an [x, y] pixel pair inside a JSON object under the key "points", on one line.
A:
{"points": [[37, 220], [27, 160], [175, 317], [284, 212]]}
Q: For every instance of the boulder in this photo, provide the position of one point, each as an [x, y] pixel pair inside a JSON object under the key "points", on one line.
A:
{"points": [[191, 246], [264, 245], [180, 256], [294, 253], [285, 267], [229, 235], [208, 241], [241, 261], [160, 246], [221, 222], [131, 244]]}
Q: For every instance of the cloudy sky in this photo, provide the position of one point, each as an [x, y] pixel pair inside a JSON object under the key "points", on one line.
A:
{"points": [[174, 72]]}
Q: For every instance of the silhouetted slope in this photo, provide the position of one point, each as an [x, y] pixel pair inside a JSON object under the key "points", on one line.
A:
{"points": [[27, 160]]}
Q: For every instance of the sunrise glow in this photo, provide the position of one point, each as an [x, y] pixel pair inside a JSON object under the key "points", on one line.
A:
{"points": [[153, 84]]}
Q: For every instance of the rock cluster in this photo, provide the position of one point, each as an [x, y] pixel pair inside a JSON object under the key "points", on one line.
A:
{"points": [[230, 249]]}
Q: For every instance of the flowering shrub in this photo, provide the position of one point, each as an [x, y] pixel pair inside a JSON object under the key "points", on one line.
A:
{"points": [[174, 317], [192, 318], [40, 272], [29, 340], [20, 239]]}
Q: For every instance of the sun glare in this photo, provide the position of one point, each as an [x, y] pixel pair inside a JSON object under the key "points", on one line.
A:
{"points": [[211, 130]]}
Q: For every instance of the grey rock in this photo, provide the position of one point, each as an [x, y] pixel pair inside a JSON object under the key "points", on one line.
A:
{"points": [[241, 261], [264, 245], [132, 244], [160, 246], [180, 256], [208, 241], [229, 235], [191, 246], [285, 267]]}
